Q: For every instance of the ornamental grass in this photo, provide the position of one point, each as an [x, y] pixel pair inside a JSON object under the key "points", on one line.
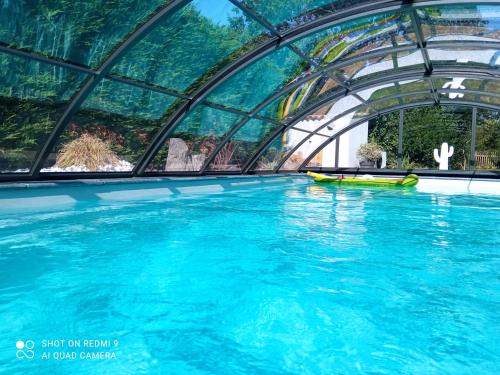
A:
{"points": [[86, 151]]}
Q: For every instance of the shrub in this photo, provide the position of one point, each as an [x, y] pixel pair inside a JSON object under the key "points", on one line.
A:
{"points": [[87, 151], [369, 152]]}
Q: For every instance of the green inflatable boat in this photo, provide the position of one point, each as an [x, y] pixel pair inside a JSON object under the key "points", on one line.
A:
{"points": [[410, 180]]}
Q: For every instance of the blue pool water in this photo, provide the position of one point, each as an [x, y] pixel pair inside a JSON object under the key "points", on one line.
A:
{"points": [[296, 279]]}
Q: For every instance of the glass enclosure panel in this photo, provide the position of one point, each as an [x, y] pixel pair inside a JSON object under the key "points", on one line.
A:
{"points": [[384, 104], [307, 148], [389, 89], [487, 140], [271, 156], [377, 66], [489, 86], [472, 97], [111, 130], [465, 56], [116, 97], [292, 103], [189, 47], [356, 37], [301, 97], [33, 95], [292, 13], [427, 128], [383, 131], [325, 156], [80, 31], [278, 149], [462, 83], [382, 136], [242, 145], [494, 100], [461, 22], [340, 107], [248, 88], [349, 141], [274, 110], [194, 140]]}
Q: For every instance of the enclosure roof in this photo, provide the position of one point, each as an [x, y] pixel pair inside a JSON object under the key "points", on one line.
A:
{"points": [[240, 70]]}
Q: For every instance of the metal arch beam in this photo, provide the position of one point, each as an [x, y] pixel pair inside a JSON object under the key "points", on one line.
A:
{"points": [[339, 116], [463, 103], [284, 90], [371, 54], [417, 26], [256, 17], [354, 109], [320, 71], [29, 55], [101, 73], [46, 60], [290, 36], [82, 69], [408, 75]]}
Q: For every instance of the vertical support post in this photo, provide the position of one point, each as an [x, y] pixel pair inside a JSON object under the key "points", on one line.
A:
{"points": [[400, 138], [472, 156], [337, 146]]}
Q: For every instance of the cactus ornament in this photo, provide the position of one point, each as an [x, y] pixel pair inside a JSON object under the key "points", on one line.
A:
{"points": [[445, 155]]}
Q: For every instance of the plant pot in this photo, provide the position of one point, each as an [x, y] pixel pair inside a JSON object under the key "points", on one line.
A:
{"points": [[367, 164]]}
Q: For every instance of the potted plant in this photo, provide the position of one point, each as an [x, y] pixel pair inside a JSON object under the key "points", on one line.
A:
{"points": [[368, 154]]}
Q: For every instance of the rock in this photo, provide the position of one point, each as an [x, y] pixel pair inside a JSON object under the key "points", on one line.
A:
{"points": [[197, 162], [177, 157]]}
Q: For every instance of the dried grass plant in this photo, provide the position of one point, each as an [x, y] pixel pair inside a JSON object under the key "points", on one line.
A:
{"points": [[88, 151]]}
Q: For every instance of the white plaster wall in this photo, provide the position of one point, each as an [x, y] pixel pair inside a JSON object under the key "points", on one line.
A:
{"points": [[349, 144]]}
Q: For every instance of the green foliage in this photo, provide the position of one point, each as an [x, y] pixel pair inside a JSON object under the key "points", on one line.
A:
{"points": [[424, 130], [488, 132], [24, 127], [76, 30], [427, 128], [383, 130]]}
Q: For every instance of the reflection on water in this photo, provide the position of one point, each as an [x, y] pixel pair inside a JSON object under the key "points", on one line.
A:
{"points": [[303, 280]]}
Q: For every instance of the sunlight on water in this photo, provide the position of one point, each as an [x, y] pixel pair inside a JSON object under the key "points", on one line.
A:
{"points": [[307, 279]]}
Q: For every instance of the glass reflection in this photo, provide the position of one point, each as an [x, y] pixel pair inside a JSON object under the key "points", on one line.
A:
{"points": [[310, 145], [461, 22], [242, 146], [187, 48], [80, 31], [293, 13], [111, 130], [194, 140], [356, 37], [251, 86], [33, 96]]}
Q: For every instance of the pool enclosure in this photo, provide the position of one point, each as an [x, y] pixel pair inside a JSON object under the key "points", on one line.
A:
{"points": [[179, 87]]}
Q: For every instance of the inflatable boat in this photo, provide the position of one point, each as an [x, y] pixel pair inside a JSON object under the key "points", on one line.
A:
{"points": [[366, 180]]}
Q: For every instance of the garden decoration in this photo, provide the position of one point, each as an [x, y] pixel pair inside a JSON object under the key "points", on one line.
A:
{"points": [[445, 155]]}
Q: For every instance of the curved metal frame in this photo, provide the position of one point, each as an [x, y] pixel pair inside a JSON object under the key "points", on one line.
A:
{"points": [[289, 36], [402, 106], [336, 65], [351, 13], [401, 76], [77, 100], [389, 110]]}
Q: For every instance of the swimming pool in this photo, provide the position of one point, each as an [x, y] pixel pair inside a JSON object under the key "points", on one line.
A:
{"points": [[292, 278]]}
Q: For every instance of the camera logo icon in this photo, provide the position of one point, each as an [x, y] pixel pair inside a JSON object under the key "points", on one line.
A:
{"points": [[25, 349]]}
